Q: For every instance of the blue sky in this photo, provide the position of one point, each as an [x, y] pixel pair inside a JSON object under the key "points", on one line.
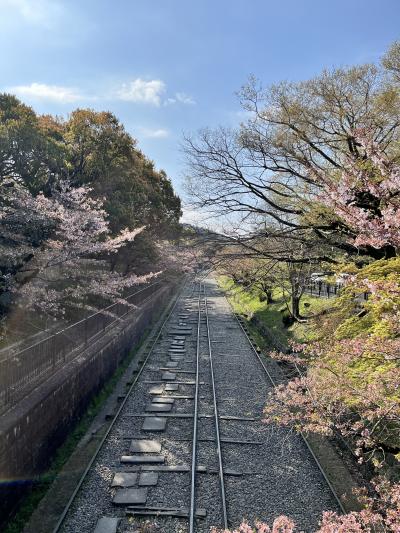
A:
{"points": [[165, 67]]}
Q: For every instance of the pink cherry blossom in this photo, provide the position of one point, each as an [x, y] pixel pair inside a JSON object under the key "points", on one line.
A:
{"points": [[59, 245], [376, 221]]}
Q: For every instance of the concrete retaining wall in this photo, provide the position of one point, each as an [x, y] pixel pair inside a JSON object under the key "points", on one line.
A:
{"points": [[32, 431]]}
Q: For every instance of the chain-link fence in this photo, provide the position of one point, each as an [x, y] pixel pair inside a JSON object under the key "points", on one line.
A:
{"points": [[21, 371]]}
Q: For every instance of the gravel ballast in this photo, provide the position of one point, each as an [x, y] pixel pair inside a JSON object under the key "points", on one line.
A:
{"points": [[276, 476]]}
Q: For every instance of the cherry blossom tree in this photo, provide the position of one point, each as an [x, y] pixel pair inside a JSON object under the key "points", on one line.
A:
{"points": [[179, 256], [351, 383], [56, 248], [366, 194], [348, 382]]}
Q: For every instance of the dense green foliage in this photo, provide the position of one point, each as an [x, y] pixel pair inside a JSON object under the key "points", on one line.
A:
{"points": [[89, 148], [249, 303], [44, 158]]}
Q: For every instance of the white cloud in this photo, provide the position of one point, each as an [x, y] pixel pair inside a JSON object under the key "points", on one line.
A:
{"points": [[138, 91], [38, 12], [151, 92], [42, 91], [142, 91], [169, 101], [159, 133], [181, 98], [184, 98]]}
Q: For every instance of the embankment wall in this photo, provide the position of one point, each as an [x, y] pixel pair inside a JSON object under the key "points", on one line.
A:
{"points": [[33, 429]]}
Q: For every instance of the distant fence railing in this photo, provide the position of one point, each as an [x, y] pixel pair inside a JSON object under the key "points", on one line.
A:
{"points": [[33, 363], [329, 290], [323, 289]]}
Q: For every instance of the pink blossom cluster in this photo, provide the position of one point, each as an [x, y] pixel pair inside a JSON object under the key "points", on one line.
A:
{"points": [[326, 399], [179, 257], [282, 524], [382, 289], [376, 220], [62, 240]]}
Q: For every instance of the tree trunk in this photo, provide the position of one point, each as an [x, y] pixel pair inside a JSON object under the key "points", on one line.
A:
{"points": [[296, 306], [268, 294]]}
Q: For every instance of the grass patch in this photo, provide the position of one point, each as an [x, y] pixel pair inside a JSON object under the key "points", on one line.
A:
{"points": [[246, 302], [43, 482]]}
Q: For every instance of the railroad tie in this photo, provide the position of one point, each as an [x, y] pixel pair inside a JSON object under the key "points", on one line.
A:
{"points": [[130, 496], [142, 459], [107, 524], [164, 511], [154, 423], [145, 446]]}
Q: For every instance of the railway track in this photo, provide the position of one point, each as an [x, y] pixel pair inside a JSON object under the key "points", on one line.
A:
{"points": [[187, 449]]}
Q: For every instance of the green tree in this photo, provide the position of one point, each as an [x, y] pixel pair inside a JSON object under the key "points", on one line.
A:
{"points": [[103, 155], [27, 149]]}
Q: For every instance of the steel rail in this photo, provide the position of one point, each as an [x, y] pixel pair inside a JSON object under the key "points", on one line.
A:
{"points": [[116, 416], [274, 384], [216, 415], [192, 508]]}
